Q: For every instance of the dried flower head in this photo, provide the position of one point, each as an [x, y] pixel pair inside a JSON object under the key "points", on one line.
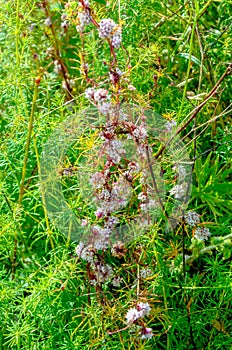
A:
{"points": [[118, 249]]}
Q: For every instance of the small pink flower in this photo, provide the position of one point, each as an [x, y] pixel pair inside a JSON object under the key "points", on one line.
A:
{"points": [[143, 308], [132, 315], [146, 333]]}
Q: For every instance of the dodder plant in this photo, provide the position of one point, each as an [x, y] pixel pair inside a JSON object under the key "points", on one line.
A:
{"points": [[120, 173], [121, 183], [112, 163]]}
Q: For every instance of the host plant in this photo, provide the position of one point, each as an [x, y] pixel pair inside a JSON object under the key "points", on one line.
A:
{"points": [[169, 286]]}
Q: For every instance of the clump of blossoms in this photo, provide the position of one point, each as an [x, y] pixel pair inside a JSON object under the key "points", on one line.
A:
{"points": [[113, 188], [180, 171], [141, 310], [202, 233], [135, 318], [98, 271], [78, 12], [179, 190], [135, 314], [193, 219], [110, 30], [146, 333], [100, 98], [121, 180], [144, 273]]}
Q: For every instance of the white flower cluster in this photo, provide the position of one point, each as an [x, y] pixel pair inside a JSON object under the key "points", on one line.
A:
{"points": [[83, 17], [142, 197], [131, 87], [100, 97], [202, 233], [116, 198], [116, 281], [146, 202], [140, 133], [86, 253], [48, 22], [146, 333], [179, 191], [100, 237], [98, 180], [109, 29], [99, 241], [141, 310], [114, 149], [192, 218], [57, 67], [109, 197], [102, 273], [144, 273]]}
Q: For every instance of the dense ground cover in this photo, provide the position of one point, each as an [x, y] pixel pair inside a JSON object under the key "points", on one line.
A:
{"points": [[157, 76]]}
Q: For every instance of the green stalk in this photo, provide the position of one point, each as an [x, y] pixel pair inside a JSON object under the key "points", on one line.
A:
{"points": [[164, 292], [189, 63], [43, 194], [198, 15], [21, 191], [30, 127]]}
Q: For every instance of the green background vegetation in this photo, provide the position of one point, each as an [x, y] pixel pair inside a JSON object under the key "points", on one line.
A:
{"points": [[178, 51]]}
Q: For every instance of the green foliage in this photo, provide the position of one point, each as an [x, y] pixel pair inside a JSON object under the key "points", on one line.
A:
{"points": [[46, 300], [213, 190]]}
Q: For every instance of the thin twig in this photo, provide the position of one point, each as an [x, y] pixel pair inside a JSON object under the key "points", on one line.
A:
{"points": [[197, 109]]}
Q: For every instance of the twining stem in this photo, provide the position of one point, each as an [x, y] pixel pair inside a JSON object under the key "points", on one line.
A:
{"points": [[64, 70]]}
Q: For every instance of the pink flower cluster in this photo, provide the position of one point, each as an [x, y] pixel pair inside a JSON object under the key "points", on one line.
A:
{"points": [[83, 17], [109, 29], [100, 98], [99, 271], [141, 310]]}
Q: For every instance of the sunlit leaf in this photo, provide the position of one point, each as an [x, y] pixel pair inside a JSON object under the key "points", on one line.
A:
{"points": [[193, 59]]}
